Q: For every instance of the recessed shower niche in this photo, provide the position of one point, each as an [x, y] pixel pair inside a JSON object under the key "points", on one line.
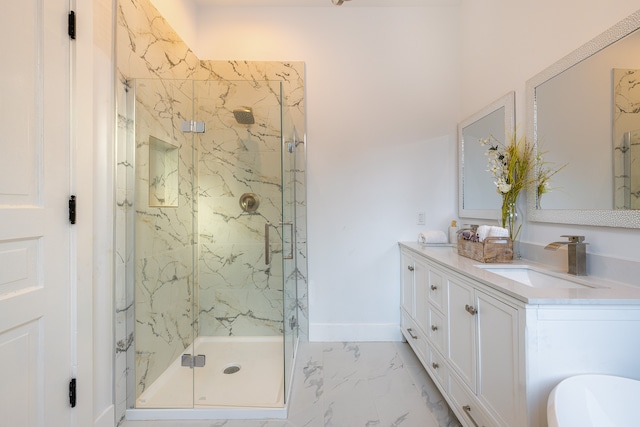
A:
{"points": [[163, 173]]}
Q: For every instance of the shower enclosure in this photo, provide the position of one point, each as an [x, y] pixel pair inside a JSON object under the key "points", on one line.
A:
{"points": [[216, 244]]}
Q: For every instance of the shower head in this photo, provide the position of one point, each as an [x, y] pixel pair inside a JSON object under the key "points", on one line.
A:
{"points": [[244, 115]]}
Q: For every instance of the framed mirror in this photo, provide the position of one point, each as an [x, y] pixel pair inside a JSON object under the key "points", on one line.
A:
{"points": [[584, 112], [477, 195]]}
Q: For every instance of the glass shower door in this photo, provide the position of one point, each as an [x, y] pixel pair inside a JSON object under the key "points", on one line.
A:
{"points": [[164, 237], [240, 243]]}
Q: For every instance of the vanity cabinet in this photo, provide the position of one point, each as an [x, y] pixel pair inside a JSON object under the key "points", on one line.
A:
{"points": [[496, 348], [467, 340]]}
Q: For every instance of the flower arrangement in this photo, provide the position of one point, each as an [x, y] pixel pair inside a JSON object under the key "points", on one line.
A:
{"points": [[512, 166]]}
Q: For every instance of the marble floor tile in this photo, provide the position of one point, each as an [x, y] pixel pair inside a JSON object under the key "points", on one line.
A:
{"points": [[351, 385]]}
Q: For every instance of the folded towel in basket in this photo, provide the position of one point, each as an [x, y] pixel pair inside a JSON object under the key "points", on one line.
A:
{"points": [[432, 236], [485, 231]]}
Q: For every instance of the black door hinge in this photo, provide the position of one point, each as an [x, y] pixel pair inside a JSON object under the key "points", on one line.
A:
{"points": [[72, 209], [72, 393], [72, 25]]}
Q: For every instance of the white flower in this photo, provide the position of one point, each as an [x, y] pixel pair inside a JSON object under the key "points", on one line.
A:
{"points": [[503, 187]]}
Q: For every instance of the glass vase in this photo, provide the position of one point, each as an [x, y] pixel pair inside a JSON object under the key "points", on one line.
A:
{"points": [[512, 221]]}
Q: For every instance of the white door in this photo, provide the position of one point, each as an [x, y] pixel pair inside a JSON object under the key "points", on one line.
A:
{"points": [[35, 242]]}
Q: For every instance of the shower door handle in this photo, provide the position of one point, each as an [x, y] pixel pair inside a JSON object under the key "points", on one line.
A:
{"points": [[290, 224], [267, 249]]}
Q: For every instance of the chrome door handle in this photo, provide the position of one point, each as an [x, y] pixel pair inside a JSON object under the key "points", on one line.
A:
{"points": [[434, 328], [267, 249], [290, 224], [471, 309], [434, 287], [434, 365], [410, 268]]}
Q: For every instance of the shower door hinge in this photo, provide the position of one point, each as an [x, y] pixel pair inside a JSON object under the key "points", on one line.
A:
{"points": [[71, 26], [72, 393], [72, 209], [189, 126], [193, 361]]}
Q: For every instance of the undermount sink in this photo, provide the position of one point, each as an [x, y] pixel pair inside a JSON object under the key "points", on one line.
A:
{"points": [[534, 277]]}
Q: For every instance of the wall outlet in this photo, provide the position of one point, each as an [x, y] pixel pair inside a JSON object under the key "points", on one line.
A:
{"points": [[421, 219]]}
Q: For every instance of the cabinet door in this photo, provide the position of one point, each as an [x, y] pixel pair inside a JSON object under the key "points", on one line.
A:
{"points": [[408, 269], [462, 331], [498, 358]]}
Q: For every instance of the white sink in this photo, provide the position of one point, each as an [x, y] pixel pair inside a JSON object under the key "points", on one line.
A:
{"points": [[534, 277]]}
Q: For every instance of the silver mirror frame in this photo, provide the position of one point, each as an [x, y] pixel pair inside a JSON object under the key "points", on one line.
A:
{"points": [[507, 102], [597, 217]]}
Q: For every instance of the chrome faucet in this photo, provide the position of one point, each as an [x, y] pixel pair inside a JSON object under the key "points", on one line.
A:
{"points": [[577, 251]]}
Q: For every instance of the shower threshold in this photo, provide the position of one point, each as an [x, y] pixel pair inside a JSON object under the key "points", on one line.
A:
{"points": [[243, 378]]}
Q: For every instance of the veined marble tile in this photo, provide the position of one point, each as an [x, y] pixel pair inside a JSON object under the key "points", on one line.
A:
{"points": [[147, 48]]}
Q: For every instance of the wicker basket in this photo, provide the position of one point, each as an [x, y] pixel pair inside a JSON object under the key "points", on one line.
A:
{"points": [[493, 249]]}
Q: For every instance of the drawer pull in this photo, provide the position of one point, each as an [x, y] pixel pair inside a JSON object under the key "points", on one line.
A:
{"points": [[467, 410], [471, 309], [410, 268], [410, 331], [434, 365], [434, 328], [434, 287]]}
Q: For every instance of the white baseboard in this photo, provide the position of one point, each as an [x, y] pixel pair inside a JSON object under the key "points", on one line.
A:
{"points": [[107, 418], [355, 332]]}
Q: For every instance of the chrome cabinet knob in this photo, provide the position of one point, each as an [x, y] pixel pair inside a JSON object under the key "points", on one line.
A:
{"points": [[434, 328], [410, 268]]}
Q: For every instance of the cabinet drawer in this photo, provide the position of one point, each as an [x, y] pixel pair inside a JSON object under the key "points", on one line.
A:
{"points": [[437, 289], [437, 367], [416, 339], [437, 330], [470, 412]]}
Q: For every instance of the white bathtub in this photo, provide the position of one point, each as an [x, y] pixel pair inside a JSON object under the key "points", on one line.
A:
{"points": [[594, 401]]}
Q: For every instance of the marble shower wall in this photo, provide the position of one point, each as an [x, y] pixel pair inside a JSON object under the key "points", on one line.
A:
{"points": [[164, 226], [262, 76], [239, 294], [148, 48]]}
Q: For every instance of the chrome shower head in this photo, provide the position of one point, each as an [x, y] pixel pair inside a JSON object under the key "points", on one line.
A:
{"points": [[244, 115]]}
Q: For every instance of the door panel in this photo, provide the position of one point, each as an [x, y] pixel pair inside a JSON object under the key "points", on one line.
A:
{"points": [[35, 339]]}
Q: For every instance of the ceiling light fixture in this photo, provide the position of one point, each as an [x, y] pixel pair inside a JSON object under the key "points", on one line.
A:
{"points": [[338, 2]]}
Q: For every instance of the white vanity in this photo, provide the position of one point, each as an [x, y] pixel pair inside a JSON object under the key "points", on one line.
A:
{"points": [[496, 346]]}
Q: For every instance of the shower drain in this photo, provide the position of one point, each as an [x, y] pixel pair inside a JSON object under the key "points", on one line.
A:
{"points": [[232, 368]]}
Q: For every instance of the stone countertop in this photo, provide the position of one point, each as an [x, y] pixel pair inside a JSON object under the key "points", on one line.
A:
{"points": [[596, 290]]}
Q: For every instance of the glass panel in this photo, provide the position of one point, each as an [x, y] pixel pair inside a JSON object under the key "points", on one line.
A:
{"points": [[240, 259], [164, 243], [289, 250], [215, 239]]}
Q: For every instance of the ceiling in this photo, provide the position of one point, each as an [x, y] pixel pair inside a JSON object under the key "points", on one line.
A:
{"points": [[321, 3]]}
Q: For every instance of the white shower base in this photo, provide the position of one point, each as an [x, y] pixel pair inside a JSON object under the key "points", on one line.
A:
{"points": [[255, 391]]}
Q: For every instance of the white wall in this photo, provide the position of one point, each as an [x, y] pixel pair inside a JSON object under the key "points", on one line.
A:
{"points": [[382, 105], [505, 43]]}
